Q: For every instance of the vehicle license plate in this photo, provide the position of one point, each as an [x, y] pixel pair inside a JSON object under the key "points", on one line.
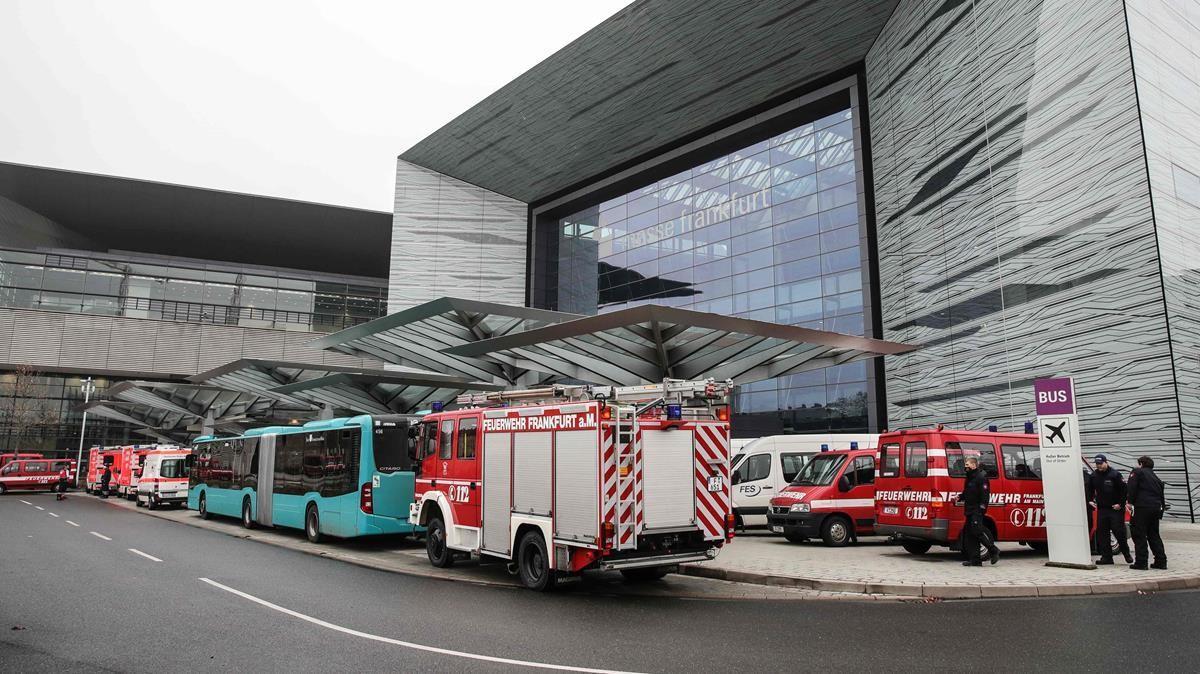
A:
{"points": [[716, 483], [777, 530], [891, 510]]}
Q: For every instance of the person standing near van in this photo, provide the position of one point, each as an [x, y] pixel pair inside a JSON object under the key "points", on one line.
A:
{"points": [[64, 476], [105, 478], [974, 499], [1146, 495], [1107, 490]]}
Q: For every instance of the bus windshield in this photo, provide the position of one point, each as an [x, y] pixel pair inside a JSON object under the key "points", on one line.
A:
{"points": [[391, 447], [820, 470]]}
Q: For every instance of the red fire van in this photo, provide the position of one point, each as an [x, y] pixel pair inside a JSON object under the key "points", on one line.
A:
{"points": [[832, 497]]}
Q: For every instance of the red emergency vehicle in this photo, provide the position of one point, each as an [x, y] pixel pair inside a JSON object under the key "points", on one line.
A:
{"points": [[29, 475], [98, 458], [13, 456], [578, 477], [921, 475], [832, 497]]}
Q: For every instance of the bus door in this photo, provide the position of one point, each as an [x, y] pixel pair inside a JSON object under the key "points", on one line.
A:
{"points": [[392, 485], [266, 479]]}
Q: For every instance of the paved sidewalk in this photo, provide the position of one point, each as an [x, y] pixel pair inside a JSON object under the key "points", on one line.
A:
{"points": [[404, 555], [878, 567]]}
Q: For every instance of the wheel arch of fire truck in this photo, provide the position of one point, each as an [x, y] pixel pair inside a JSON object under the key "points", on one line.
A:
{"points": [[632, 478]]}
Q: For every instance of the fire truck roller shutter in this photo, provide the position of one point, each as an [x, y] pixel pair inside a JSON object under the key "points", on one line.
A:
{"points": [[577, 485], [497, 491], [531, 472], [669, 482], [266, 480]]}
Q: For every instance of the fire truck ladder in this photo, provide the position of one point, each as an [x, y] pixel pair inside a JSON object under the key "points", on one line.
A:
{"points": [[625, 433]]}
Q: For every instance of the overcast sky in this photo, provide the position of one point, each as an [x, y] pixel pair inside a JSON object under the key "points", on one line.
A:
{"points": [[303, 99]]}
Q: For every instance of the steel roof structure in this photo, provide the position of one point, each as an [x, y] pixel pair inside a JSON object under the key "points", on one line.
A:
{"points": [[423, 337], [345, 389], [160, 408], [649, 343]]}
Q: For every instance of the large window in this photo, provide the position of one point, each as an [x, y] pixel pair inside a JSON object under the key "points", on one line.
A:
{"points": [[770, 232]]}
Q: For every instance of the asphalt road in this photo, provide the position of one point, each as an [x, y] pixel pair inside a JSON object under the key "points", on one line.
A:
{"points": [[86, 602]]}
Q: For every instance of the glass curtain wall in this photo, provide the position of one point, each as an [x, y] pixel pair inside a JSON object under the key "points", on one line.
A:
{"points": [[770, 232], [182, 291]]}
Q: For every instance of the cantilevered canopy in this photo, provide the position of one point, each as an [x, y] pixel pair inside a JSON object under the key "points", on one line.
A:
{"points": [[345, 389], [420, 336], [195, 401], [648, 343]]}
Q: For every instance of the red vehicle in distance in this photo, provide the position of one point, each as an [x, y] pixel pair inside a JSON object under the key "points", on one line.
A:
{"points": [[29, 475], [14, 456]]}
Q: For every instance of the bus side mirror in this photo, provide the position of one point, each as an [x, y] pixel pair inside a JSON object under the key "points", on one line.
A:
{"points": [[843, 483]]}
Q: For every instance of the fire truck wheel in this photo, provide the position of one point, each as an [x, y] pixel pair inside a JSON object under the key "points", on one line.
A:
{"points": [[533, 563], [312, 524], [916, 547], [836, 531], [646, 574], [247, 519], [435, 544], [203, 506]]}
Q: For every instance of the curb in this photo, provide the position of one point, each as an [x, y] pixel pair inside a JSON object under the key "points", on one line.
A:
{"points": [[945, 591]]}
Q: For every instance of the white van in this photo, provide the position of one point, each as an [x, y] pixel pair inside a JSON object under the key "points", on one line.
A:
{"points": [[764, 467], [164, 478]]}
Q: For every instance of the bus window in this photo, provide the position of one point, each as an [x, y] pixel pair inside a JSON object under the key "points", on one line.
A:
{"points": [[391, 447]]}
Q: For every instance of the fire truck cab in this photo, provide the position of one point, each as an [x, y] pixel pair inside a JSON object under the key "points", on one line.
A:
{"points": [[572, 478]]}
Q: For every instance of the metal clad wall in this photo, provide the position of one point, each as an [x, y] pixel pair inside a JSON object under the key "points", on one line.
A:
{"points": [[83, 343], [1165, 37], [576, 485], [531, 472], [1014, 224], [451, 238]]}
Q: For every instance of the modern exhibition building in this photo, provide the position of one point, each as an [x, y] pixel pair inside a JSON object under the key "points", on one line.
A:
{"points": [[1012, 186], [118, 279]]}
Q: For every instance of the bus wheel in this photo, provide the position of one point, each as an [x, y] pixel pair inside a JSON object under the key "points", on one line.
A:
{"points": [[435, 544], [247, 519], [533, 563], [646, 574], [312, 524], [916, 547], [203, 506], [836, 531]]}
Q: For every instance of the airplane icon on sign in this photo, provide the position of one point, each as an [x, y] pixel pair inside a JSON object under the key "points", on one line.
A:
{"points": [[1056, 432]]}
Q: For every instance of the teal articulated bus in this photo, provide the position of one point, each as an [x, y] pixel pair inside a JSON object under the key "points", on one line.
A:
{"points": [[337, 477]]}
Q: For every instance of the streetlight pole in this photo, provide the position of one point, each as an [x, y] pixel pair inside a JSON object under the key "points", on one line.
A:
{"points": [[88, 389]]}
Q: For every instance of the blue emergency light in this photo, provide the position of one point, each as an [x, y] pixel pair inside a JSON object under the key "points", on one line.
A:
{"points": [[993, 429], [853, 445], [674, 412], [437, 406], [824, 448], [1029, 428]]}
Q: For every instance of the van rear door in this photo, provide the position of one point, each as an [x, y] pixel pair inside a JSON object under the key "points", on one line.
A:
{"points": [[902, 490]]}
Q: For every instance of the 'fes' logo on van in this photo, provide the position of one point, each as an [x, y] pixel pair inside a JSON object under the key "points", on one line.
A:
{"points": [[750, 489]]}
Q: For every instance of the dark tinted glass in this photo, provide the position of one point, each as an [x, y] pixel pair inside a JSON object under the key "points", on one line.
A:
{"points": [[390, 444], [916, 460], [864, 470]]}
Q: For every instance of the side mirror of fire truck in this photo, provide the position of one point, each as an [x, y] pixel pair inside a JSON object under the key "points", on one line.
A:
{"points": [[843, 483]]}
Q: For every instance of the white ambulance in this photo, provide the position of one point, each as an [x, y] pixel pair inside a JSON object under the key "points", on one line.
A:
{"points": [[573, 478], [164, 479], [763, 468]]}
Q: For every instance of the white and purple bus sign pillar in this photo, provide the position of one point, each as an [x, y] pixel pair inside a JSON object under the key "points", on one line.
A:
{"points": [[1067, 530]]}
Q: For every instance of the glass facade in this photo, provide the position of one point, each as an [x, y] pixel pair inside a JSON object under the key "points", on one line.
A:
{"points": [[187, 290], [37, 413], [770, 232]]}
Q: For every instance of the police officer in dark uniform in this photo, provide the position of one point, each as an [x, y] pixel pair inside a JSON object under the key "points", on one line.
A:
{"points": [[1148, 500], [1107, 490], [974, 499]]}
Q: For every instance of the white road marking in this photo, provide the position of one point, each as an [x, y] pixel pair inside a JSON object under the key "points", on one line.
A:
{"points": [[407, 644], [71, 523], [39, 507], [149, 557], [52, 514], [99, 535], [25, 502]]}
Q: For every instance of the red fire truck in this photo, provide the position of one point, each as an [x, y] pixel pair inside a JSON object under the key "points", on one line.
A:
{"points": [[573, 478], [130, 468], [98, 458]]}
